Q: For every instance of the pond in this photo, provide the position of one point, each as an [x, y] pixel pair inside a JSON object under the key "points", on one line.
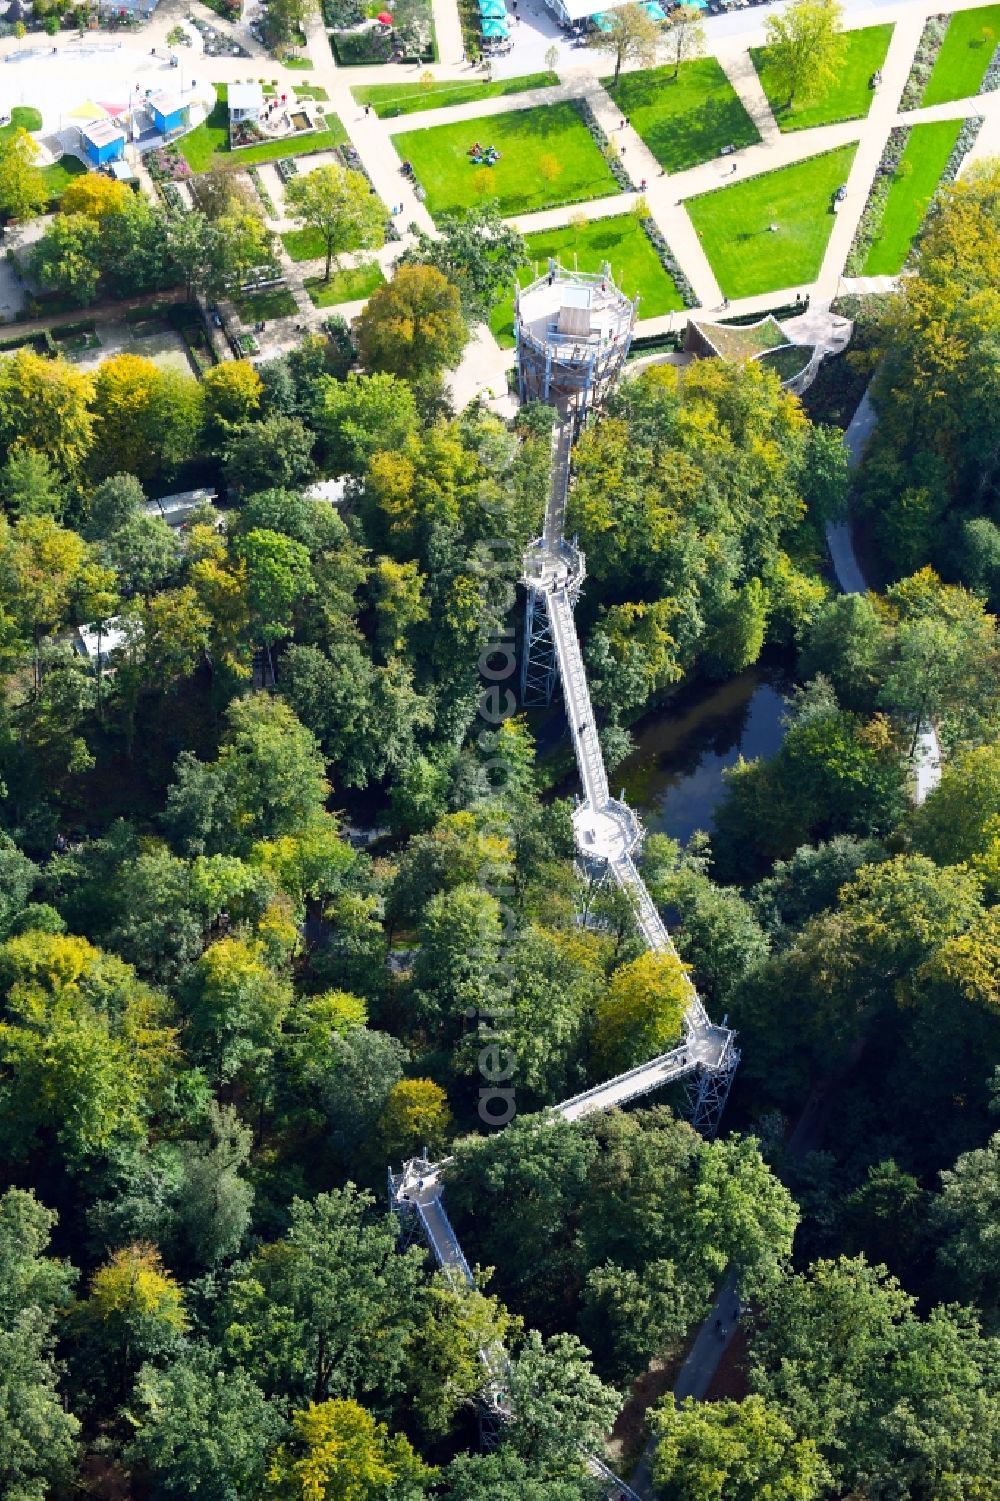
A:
{"points": [[673, 777]]}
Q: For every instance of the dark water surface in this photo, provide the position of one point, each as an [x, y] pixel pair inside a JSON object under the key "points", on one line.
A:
{"points": [[674, 775]]}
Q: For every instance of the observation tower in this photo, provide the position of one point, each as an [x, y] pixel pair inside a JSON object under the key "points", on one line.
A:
{"points": [[573, 330]]}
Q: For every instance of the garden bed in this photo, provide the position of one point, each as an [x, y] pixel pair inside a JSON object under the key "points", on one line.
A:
{"points": [[924, 59], [964, 56], [918, 159], [389, 100]]}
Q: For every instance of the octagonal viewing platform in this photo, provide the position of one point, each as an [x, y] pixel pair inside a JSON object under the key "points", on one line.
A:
{"points": [[573, 331]]}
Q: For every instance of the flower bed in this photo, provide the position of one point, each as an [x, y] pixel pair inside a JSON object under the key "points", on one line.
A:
{"points": [[871, 219], [618, 169], [991, 78], [172, 197], [267, 201], [352, 161], [966, 140], [669, 262], [245, 344], [245, 133], [924, 59], [166, 164]]}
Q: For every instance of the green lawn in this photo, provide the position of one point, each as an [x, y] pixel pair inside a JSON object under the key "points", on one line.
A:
{"points": [[58, 176], [913, 186], [22, 117], [272, 302], [210, 139], [850, 98], [621, 241], [304, 244], [684, 120], [968, 45], [345, 286], [733, 224], [390, 99], [547, 158], [310, 91]]}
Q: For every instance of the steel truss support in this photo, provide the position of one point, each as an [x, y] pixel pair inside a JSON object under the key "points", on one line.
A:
{"points": [[539, 666], [707, 1093]]}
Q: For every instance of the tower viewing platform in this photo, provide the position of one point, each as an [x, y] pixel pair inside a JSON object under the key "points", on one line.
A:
{"points": [[573, 332]]}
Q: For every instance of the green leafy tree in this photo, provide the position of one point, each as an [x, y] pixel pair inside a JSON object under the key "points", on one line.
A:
{"points": [[18, 875], [733, 1451], [202, 1429], [338, 1452], [890, 1400], [216, 1199], [445, 1353], [361, 416], [38, 1435], [279, 576], [325, 1312], [804, 48], [340, 206], [479, 254], [85, 1049], [23, 190], [505, 1476], [459, 940], [267, 782], [30, 486], [413, 326], [966, 1220], [133, 1312], [236, 1008], [275, 452], [685, 35], [936, 448], [563, 1408], [631, 37], [641, 1013], [65, 259]]}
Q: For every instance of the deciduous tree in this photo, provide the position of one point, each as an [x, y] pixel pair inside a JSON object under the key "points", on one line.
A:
{"points": [[340, 206], [685, 35], [413, 326], [804, 48], [630, 35]]}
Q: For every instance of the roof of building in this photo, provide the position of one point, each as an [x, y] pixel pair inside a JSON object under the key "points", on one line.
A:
{"points": [[746, 341], [246, 96], [103, 132], [579, 10], [106, 638], [166, 102], [331, 490], [174, 508]]}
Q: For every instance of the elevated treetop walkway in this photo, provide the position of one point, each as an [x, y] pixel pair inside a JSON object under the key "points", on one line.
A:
{"points": [[573, 338]]}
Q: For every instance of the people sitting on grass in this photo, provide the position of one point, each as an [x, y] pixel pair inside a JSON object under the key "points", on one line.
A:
{"points": [[483, 156]]}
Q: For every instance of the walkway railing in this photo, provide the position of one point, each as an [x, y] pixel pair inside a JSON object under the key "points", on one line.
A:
{"points": [[553, 572]]}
